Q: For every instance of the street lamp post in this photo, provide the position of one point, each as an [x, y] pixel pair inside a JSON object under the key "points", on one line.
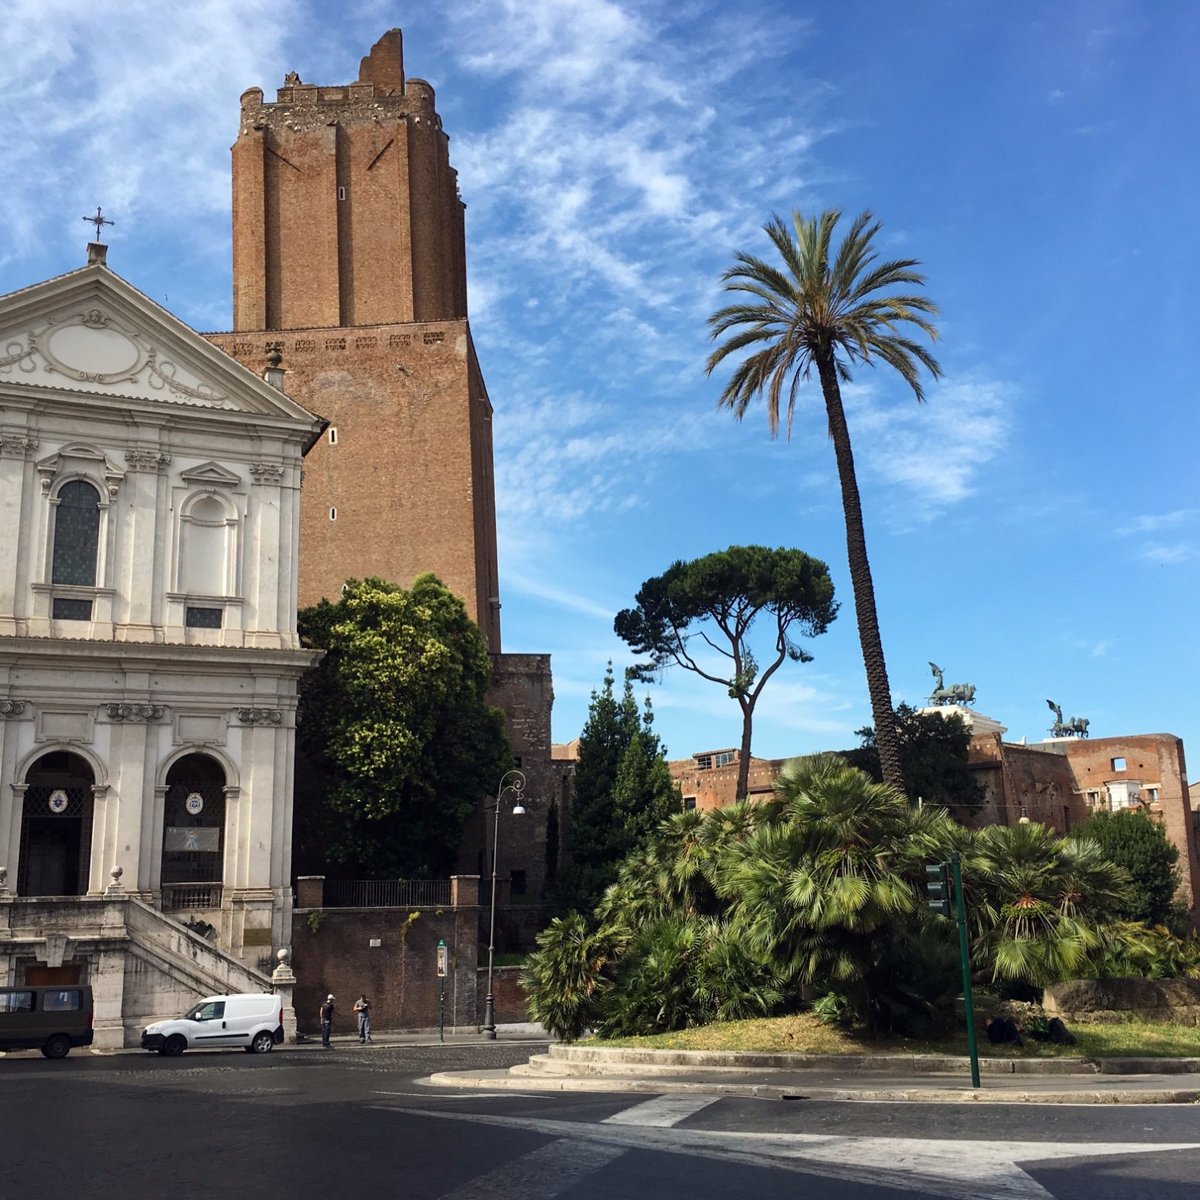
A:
{"points": [[513, 781]]}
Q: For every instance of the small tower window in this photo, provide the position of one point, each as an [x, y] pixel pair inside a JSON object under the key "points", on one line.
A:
{"points": [[341, 193], [333, 435], [333, 514]]}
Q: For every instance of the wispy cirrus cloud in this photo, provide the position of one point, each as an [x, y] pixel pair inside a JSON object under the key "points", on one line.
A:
{"points": [[1167, 554], [933, 452], [616, 191], [1153, 522], [1152, 531], [148, 84]]}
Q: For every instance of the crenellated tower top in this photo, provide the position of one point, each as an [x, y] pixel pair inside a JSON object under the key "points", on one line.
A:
{"points": [[345, 207]]}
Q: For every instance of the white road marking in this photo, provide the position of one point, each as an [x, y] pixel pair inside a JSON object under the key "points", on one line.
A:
{"points": [[662, 1112], [958, 1170], [541, 1174], [472, 1095]]}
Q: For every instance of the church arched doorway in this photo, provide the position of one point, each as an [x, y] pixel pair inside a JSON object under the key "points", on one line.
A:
{"points": [[56, 826], [193, 833]]}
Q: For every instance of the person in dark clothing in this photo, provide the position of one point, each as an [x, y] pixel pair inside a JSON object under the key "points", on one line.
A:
{"points": [[327, 1011]]}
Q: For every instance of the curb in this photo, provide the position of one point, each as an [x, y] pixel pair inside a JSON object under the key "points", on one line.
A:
{"points": [[586, 1060], [503, 1081], [594, 1061]]}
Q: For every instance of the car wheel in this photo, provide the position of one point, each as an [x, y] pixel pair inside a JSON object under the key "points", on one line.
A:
{"points": [[262, 1041], [175, 1045], [58, 1046]]}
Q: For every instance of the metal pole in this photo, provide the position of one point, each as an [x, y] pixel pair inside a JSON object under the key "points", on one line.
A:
{"points": [[965, 954], [489, 1003], [442, 1009], [518, 786]]}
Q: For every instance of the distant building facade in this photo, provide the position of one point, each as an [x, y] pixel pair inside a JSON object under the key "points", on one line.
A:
{"points": [[709, 778], [1063, 781], [1058, 783]]}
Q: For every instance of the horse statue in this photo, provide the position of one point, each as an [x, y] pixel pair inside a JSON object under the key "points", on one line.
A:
{"points": [[1075, 727], [956, 693]]}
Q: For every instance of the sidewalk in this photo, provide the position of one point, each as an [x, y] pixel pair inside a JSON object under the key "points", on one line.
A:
{"points": [[874, 1078], [525, 1034], [511, 1034]]}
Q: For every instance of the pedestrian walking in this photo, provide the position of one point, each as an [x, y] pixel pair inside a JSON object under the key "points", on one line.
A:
{"points": [[362, 1006], [327, 1011]]}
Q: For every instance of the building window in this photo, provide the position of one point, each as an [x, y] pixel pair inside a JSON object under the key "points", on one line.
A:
{"points": [[341, 193], [76, 535], [333, 514], [725, 758], [203, 618], [1118, 763], [689, 802], [63, 609], [519, 883], [333, 435], [703, 762]]}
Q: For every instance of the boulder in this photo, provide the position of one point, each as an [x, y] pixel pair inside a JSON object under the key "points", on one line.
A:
{"points": [[1155, 1001]]}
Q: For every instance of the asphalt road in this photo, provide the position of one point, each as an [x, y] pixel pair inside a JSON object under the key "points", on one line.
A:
{"points": [[357, 1122]]}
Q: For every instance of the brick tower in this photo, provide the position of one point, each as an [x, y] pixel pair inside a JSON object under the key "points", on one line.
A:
{"points": [[349, 261]]}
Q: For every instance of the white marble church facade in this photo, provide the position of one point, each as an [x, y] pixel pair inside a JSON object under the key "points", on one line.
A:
{"points": [[149, 659]]}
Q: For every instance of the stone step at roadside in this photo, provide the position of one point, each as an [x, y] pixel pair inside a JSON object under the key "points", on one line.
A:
{"points": [[579, 1062]]}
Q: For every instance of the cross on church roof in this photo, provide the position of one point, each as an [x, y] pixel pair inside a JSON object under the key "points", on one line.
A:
{"points": [[98, 220]]}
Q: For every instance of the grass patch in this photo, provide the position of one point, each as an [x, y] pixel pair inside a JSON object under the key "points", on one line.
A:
{"points": [[1138, 1041], [508, 958], [805, 1033]]}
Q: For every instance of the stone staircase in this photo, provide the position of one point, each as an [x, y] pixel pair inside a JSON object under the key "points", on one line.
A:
{"points": [[141, 964]]}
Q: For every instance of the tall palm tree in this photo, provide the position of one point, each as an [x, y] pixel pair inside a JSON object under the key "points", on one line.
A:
{"points": [[814, 312]]}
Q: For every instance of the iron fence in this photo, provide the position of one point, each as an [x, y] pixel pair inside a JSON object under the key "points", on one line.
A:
{"points": [[387, 893], [181, 897]]}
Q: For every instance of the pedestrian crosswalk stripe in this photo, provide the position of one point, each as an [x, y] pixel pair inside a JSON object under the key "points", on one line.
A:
{"points": [[541, 1174], [662, 1112]]}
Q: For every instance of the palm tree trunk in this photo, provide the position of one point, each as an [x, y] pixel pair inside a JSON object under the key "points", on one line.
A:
{"points": [[887, 737]]}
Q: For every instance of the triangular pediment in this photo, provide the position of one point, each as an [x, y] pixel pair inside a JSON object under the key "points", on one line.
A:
{"points": [[211, 474], [92, 332]]}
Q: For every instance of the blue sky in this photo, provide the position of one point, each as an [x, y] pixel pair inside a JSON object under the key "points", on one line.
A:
{"points": [[1033, 528]]}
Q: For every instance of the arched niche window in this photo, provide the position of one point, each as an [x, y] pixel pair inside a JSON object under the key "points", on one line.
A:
{"points": [[76, 534], [205, 551], [56, 827], [193, 823]]}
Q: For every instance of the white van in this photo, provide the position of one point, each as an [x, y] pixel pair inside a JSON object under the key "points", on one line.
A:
{"points": [[253, 1021]]}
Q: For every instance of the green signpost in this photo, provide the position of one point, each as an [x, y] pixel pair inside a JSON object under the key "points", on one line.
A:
{"points": [[441, 970], [943, 887]]}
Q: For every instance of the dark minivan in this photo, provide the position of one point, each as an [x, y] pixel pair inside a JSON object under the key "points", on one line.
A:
{"points": [[49, 1019]]}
